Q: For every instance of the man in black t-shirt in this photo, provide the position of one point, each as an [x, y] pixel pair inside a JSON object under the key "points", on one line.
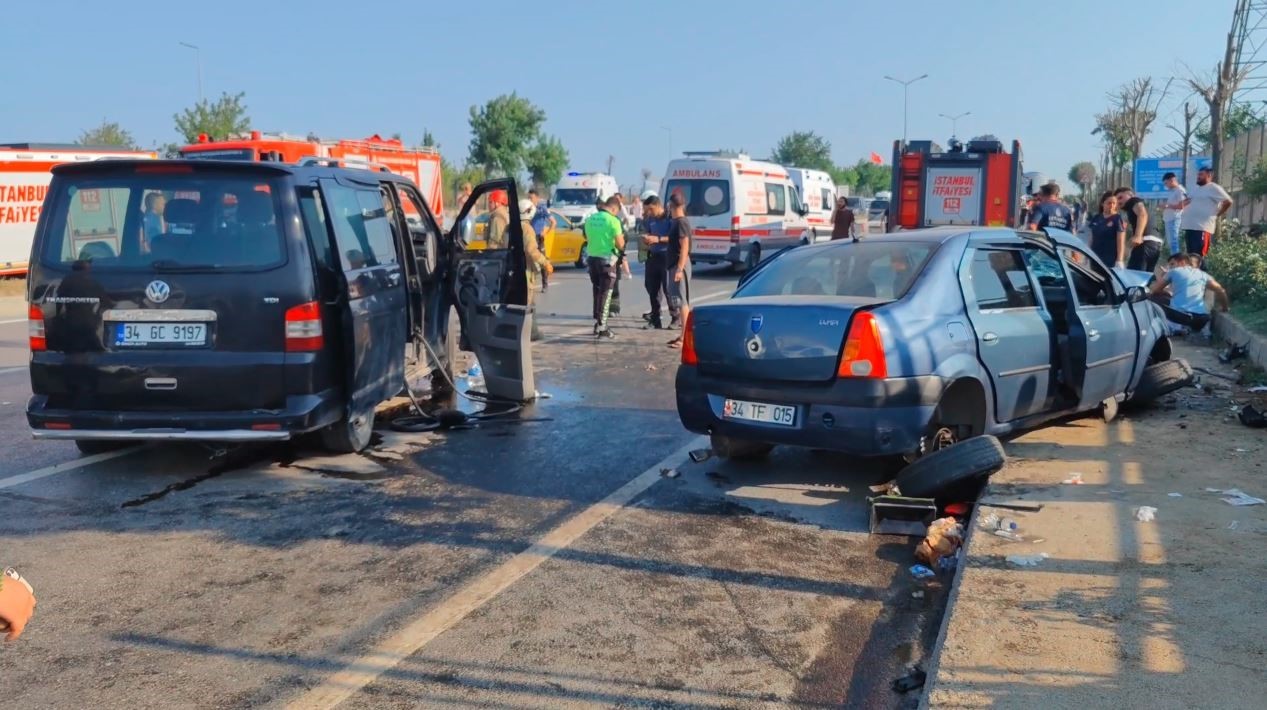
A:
{"points": [[1145, 247], [678, 259]]}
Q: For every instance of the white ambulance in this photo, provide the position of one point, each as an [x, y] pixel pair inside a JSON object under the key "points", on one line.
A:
{"points": [[24, 177], [741, 209], [818, 190], [576, 194]]}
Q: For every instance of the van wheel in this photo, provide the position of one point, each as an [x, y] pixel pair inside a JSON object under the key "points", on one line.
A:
{"points": [[88, 447], [738, 449], [754, 257], [349, 435]]}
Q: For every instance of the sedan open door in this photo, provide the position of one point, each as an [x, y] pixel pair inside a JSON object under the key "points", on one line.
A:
{"points": [[490, 291]]}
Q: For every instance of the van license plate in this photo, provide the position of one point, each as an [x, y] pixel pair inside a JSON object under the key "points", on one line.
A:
{"points": [[147, 334], [780, 414], [710, 246]]}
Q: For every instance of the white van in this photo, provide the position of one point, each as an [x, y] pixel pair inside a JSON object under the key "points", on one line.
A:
{"points": [[576, 194], [741, 209], [818, 190]]}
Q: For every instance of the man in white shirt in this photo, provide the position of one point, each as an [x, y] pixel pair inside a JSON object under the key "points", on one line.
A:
{"points": [[1201, 211], [1173, 211]]}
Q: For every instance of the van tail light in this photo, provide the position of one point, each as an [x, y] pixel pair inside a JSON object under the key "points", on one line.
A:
{"points": [[689, 356], [35, 328], [734, 229], [863, 354], [303, 328]]}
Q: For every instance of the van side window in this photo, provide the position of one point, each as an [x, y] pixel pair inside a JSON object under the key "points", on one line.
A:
{"points": [[999, 280], [393, 217], [828, 202], [313, 213], [775, 199], [418, 215], [360, 227]]}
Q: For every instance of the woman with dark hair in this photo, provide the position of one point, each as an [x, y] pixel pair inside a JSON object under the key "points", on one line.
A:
{"points": [[1108, 232]]}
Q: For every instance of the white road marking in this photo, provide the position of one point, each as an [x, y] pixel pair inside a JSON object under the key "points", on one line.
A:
{"points": [[411, 639], [15, 320], [63, 467], [7, 370]]}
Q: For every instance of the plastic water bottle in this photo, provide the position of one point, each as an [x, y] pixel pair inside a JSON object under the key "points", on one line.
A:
{"points": [[475, 378]]}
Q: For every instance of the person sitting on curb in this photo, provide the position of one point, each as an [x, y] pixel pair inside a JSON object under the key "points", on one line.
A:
{"points": [[17, 603], [1188, 285]]}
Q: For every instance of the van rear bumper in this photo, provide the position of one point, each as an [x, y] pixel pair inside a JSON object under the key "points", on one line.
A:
{"points": [[303, 413]]}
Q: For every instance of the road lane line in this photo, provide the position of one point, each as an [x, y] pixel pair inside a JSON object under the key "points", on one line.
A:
{"points": [[15, 320], [19, 368], [63, 467], [411, 639]]}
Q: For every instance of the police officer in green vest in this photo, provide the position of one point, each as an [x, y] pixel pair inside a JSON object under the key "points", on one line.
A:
{"points": [[605, 237]]}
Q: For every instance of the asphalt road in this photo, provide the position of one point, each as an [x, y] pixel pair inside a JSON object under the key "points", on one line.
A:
{"points": [[546, 562]]}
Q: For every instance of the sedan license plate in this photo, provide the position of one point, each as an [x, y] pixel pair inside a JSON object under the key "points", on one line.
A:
{"points": [[150, 334], [780, 414]]}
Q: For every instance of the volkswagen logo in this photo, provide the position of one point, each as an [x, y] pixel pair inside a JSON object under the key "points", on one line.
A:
{"points": [[158, 291]]}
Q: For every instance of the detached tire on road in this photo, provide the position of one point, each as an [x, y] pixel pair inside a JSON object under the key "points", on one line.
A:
{"points": [[930, 476], [738, 449], [1163, 378]]}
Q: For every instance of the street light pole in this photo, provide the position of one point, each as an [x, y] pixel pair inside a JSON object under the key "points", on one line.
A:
{"points": [[954, 122], [906, 85], [198, 59]]}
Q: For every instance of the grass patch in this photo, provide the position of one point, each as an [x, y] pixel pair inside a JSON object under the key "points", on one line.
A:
{"points": [[13, 287], [1251, 316]]}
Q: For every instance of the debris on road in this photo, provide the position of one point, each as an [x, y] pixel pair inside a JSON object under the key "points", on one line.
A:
{"points": [[922, 572], [1252, 418], [1145, 513], [1075, 479], [1175, 495], [1005, 528], [701, 455], [944, 537], [389, 455], [1020, 505], [650, 367], [1239, 498], [899, 515], [1258, 389], [669, 472], [883, 488], [1027, 560], [1235, 352], [911, 681], [1233, 525]]}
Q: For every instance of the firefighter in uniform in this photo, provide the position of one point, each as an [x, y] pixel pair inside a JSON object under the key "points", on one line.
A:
{"points": [[534, 258]]}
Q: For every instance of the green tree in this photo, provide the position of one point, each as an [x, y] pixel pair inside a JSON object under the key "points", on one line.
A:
{"points": [[803, 149], [873, 178], [1241, 118], [219, 119], [502, 131], [428, 140], [546, 161], [108, 133], [1083, 175], [845, 176]]}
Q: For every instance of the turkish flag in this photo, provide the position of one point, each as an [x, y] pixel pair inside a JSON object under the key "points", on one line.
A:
{"points": [[875, 158]]}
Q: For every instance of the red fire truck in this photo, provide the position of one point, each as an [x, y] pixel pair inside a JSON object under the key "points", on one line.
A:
{"points": [[422, 165], [974, 183]]}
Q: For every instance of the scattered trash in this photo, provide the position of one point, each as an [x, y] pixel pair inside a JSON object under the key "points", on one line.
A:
{"points": [[1241, 451], [1239, 498], [1145, 513], [922, 572], [669, 472], [958, 510], [911, 681], [701, 455], [948, 563], [544, 395], [1252, 418], [1175, 495], [1027, 560], [898, 515], [917, 594], [1075, 479], [389, 455], [1258, 389], [944, 537], [883, 487], [650, 367], [474, 377], [1002, 527], [1235, 352], [1232, 525]]}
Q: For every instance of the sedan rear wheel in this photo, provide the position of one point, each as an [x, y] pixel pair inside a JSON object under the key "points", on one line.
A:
{"points": [[945, 472], [738, 449]]}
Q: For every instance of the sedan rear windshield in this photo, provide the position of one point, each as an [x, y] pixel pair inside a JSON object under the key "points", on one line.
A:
{"points": [[883, 270], [165, 221]]}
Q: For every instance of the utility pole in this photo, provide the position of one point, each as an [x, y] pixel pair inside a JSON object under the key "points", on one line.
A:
{"points": [[198, 60], [611, 160], [906, 85], [954, 122]]}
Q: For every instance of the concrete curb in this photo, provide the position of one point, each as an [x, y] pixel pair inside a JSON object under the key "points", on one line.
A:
{"points": [[1232, 331], [935, 662]]}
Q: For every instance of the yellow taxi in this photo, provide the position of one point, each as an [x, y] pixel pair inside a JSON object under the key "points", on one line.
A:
{"points": [[564, 244]]}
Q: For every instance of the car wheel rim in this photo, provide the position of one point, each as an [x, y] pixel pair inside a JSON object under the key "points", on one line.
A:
{"points": [[943, 438]]}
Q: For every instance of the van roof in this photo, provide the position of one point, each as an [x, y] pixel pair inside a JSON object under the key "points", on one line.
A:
{"points": [[102, 167]]}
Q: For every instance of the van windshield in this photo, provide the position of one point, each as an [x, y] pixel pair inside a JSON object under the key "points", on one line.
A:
{"points": [[164, 221], [704, 198], [574, 197]]}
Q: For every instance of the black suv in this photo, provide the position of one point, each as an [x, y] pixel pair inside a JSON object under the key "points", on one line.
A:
{"points": [[246, 301]]}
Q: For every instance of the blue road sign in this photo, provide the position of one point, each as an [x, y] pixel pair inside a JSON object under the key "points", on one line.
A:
{"points": [[1149, 171]]}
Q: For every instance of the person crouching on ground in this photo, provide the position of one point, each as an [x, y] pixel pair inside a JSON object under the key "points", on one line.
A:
{"points": [[605, 238], [1188, 285]]}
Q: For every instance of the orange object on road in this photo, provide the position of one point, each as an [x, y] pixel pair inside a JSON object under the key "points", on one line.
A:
{"points": [[17, 603]]}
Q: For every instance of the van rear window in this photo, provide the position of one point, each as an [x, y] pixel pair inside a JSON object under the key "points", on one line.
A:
{"points": [[177, 221], [704, 198]]}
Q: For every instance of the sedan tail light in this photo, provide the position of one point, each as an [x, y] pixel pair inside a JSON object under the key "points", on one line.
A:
{"points": [[35, 328], [863, 354], [689, 357], [303, 328]]}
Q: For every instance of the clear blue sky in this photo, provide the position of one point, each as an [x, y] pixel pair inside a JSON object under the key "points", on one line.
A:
{"points": [[736, 74]]}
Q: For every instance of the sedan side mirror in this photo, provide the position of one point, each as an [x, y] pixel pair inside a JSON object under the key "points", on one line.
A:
{"points": [[1136, 294]]}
